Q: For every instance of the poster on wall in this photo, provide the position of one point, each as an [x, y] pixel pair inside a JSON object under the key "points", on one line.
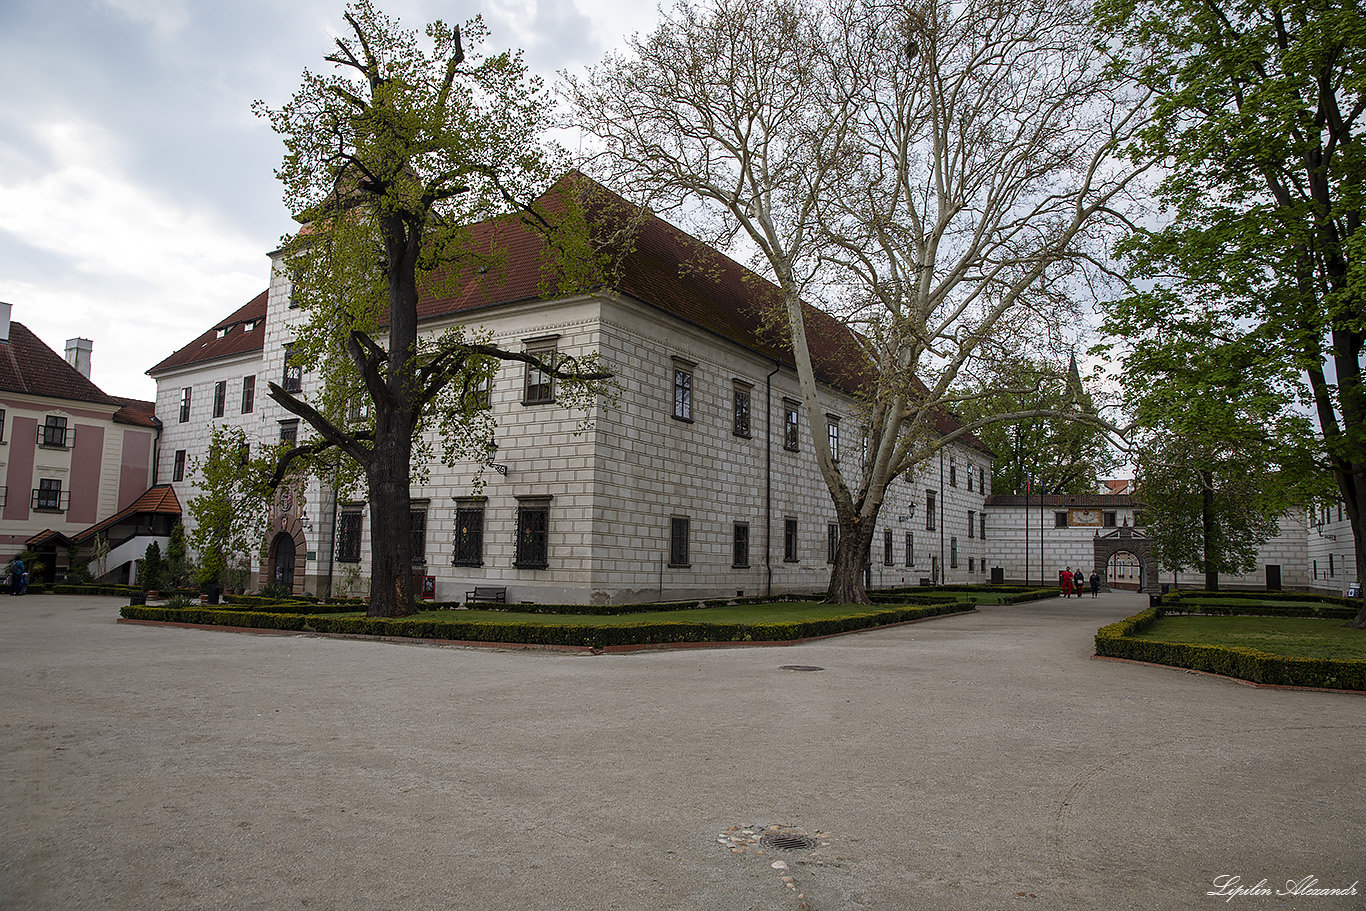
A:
{"points": [[429, 588]]}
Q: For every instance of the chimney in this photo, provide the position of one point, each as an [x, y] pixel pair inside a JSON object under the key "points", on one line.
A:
{"points": [[4, 321], [78, 354]]}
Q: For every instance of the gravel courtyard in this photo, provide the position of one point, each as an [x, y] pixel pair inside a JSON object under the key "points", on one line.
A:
{"points": [[981, 761]]}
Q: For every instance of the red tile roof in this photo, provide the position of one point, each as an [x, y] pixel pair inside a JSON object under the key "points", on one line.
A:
{"points": [[158, 500], [28, 365], [645, 257], [136, 412], [228, 337]]}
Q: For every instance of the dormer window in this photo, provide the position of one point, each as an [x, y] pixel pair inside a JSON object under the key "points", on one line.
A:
{"points": [[222, 332]]}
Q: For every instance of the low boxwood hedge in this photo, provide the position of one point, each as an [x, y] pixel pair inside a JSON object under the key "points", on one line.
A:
{"points": [[1117, 641], [529, 633], [1228, 604]]}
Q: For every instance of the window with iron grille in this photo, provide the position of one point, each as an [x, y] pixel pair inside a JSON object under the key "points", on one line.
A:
{"points": [[533, 536], [1060, 519], [1111, 519], [220, 398], [953, 553], [178, 469], [418, 531], [791, 426], [682, 393], [929, 510], [982, 526], [741, 411], [293, 380], [469, 533], [832, 436], [972, 522], [888, 558], [54, 432], [248, 393], [740, 548], [790, 540], [678, 541], [832, 541], [348, 536], [910, 549], [185, 404], [289, 432]]}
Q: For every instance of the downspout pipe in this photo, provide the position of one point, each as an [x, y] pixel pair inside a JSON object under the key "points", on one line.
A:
{"points": [[768, 478]]}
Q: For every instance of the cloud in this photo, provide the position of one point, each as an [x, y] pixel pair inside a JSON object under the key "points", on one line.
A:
{"points": [[166, 17]]}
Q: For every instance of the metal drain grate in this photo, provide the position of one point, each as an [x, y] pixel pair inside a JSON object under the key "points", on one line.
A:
{"points": [[788, 841], [800, 667]]}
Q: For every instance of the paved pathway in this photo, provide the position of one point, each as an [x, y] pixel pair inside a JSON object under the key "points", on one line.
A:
{"points": [[974, 762]]}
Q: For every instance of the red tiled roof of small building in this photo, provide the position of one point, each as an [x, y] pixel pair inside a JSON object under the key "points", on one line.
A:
{"points": [[30, 366], [135, 412], [228, 337], [159, 499]]}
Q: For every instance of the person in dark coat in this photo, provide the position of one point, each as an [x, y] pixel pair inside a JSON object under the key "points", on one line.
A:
{"points": [[1095, 583], [1079, 581], [16, 577]]}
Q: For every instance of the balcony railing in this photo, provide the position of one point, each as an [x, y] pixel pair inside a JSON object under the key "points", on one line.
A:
{"points": [[51, 500]]}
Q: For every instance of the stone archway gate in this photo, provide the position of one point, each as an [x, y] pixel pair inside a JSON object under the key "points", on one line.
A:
{"points": [[1126, 540]]}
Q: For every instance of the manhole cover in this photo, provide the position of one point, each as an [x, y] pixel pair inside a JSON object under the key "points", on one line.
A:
{"points": [[788, 841], [800, 667]]}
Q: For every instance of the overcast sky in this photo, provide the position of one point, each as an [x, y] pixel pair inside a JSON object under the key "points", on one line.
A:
{"points": [[137, 194]]}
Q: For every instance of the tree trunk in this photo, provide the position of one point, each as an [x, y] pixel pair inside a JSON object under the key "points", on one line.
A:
{"points": [[851, 558], [1207, 523], [391, 523]]}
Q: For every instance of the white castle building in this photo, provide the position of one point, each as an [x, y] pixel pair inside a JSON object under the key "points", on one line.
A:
{"points": [[699, 482]]}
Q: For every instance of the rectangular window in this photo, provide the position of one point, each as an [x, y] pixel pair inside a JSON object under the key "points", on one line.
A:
{"points": [[741, 411], [953, 553], [417, 529], [348, 536], [791, 426], [929, 510], [469, 533], [479, 393], [682, 393], [741, 545], [982, 526], [972, 522], [790, 540], [1060, 519], [832, 434], [1332, 565], [48, 496], [910, 549], [888, 558], [53, 432], [289, 432], [2, 425], [972, 564], [539, 386], [533, 536], [184, 404], [248, 393], [678, 541], [1111, 519], [953, 475], [969, 478], [220, 398], [832, 541], [178, 470], [294, 373]]}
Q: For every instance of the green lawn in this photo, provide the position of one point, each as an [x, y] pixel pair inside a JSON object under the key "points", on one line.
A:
{"points": [[1292, 636], [777, 612]]}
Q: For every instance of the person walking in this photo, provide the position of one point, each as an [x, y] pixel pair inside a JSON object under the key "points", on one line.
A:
{"points": [[1065, 582], [1079, 582], [16, 577], [1095, 583]]}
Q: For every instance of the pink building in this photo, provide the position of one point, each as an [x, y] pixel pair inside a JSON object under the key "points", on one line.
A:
{"points": [[75, 462]]}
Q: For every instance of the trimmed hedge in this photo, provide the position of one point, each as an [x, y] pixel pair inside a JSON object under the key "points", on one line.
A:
{"points": [[528, 633], [1116, 641], [1204, 594], [1242, 604]]}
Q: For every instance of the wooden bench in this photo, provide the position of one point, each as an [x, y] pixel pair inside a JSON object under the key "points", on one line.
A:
{"points": [[487, 593]]}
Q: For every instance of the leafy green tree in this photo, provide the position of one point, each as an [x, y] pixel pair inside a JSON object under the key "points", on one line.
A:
{"points": [[1055, 454], [229, 511], [1257, 119], [177, 560], [153, 575], [1221, 455], [389, 161]]}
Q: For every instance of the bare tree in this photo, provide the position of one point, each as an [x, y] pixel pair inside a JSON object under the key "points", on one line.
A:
{"points": [[935, 174]]}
